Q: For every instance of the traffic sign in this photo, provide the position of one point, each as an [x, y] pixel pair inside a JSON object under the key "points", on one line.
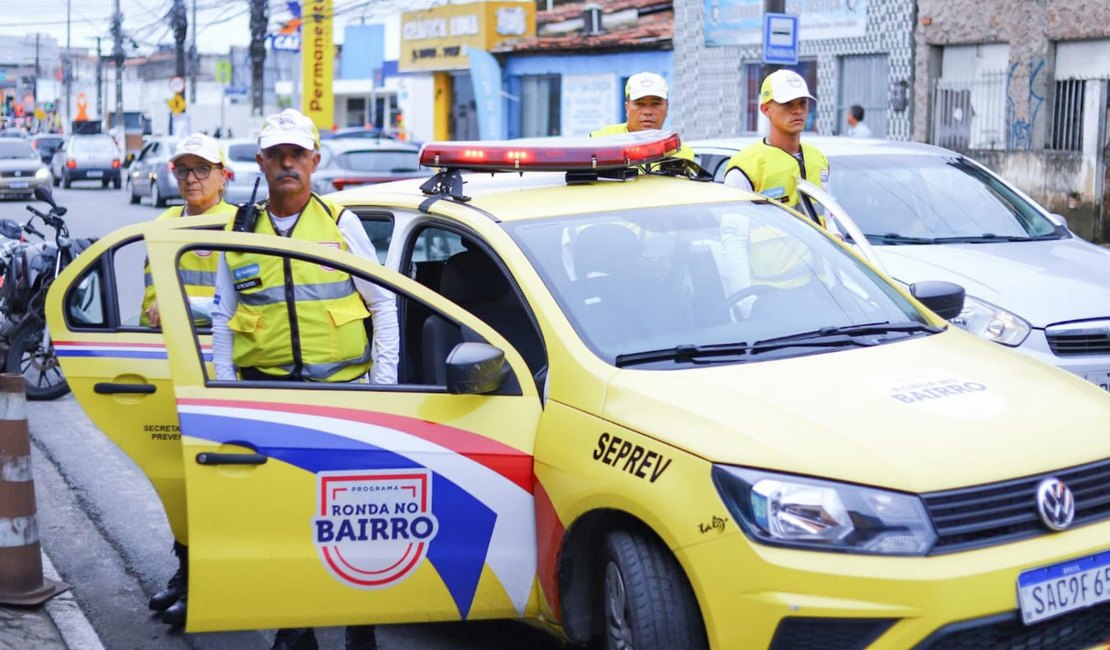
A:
{"points": [[177, 103], [177, 84], [780, 39], [223, 72]]}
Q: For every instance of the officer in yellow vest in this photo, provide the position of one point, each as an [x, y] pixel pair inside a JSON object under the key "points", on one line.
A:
{"points": [[773, 165], [253, 335], [199, 167], [646, 104]]}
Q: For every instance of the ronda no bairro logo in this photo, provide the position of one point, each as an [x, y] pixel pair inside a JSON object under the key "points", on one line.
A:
{"points": [[373, 526]]}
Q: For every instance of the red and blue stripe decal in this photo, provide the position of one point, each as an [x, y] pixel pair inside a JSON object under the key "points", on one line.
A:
{"points": [[117, 350]]}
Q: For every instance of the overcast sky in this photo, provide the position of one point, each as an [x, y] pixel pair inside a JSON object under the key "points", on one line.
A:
{"points": [[222, 23]]}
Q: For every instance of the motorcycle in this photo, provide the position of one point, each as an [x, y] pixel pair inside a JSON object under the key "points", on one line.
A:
{"points": [[29, 274]]}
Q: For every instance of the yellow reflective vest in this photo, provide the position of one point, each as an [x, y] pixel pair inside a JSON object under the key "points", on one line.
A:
{"points": [[774, 173], [619, 129], [298, 318], [197, 268]]}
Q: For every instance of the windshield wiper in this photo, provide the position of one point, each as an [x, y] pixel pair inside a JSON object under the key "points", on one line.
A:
{"points": [[684, 352], [843, 335], [895, 238]]}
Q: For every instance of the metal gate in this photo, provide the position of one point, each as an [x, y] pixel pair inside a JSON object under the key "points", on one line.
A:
{"points": [[865, 80]]}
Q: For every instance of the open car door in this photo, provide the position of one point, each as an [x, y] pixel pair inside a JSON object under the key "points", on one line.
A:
{"points": [[319, 504], [116, 367]]}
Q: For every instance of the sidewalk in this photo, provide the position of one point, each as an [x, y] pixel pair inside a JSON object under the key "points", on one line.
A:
{"points": [[58, 624]]}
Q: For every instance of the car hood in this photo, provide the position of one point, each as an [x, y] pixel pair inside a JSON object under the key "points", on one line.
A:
{"points": [[1044, 282], [930, 413], [23, 164]]}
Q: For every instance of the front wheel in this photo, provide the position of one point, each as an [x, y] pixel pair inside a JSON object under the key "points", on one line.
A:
{"points": [[646, 602], [36, 361], [155, 196]]}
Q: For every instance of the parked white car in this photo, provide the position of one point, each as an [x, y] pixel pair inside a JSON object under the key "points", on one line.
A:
{"points": [[932, 213], [239, 154]]}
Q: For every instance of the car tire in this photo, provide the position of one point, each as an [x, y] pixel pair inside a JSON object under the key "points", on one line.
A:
{"points": [[156, 198], [115, 183], [55, 180], [104, 184], [646, 601], [135, 198], [65, 180], [42, 374]]}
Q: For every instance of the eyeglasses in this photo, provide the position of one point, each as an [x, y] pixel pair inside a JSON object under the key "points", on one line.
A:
{"points": [[201, 172]]}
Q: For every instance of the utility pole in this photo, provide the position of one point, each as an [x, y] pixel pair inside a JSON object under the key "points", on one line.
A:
{"points": [[772, 7], [180, 27], [117, 56], [260, 19], [194, 61], [35, 81], [67, 72], [99, 82]]}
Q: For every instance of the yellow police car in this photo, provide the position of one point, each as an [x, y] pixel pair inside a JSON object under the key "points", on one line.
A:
{"points": [[614, 415]]}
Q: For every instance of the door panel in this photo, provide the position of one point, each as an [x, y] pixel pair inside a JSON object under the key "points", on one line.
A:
{"points": [[382, 504]]}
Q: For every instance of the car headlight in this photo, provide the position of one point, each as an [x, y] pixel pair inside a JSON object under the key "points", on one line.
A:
{"points": [[43, 174], [992, 323], [795, 511]]}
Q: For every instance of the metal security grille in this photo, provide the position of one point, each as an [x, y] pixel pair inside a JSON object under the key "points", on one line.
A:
{"points": [[998, 513], [865, 80], [1067, 115], [970, 114]]}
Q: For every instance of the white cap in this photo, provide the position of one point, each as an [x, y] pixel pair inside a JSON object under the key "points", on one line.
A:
{"points": [[645, 84], [201, 146], [784, 86], [289, 127]]}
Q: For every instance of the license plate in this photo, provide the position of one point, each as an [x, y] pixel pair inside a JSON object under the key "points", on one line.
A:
{"points": [[20, 185], [96, 173], [1100, 379], [1061, 588]]}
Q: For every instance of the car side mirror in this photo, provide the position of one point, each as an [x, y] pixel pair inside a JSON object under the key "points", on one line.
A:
{"points": [[1060, 219], [946, 299], [475, 369]]}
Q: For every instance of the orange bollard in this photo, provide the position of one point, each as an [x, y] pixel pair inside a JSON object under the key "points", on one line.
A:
{"points": [[21, 579]]}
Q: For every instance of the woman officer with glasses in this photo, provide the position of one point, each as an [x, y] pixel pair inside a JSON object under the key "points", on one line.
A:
{"points": [[198, 166]]}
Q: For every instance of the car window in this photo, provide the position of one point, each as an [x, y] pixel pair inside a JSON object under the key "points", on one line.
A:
{"points": [[93, 146], [379, 228], [16, 149], [242, 152], [383, 161], [697, 275], [931, 197]]}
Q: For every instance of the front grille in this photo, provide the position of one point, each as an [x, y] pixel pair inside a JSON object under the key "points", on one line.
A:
{"points": [[1077, 339], [1082, 629], [17, 174], [996, 513], [808, 633]]}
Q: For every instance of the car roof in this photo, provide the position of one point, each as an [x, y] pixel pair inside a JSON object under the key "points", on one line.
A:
{"points": [[339, 146], [512, 196], [832, 145]]}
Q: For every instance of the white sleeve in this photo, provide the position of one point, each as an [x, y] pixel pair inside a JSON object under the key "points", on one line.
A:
{"points": [[736, 178], [223, 308], [381, 303]]}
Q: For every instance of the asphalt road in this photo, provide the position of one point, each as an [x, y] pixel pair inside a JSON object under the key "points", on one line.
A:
{"points": [[104, 529]]}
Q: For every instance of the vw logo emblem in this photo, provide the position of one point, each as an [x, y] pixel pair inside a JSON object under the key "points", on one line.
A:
{"points": [[1055, 504]]}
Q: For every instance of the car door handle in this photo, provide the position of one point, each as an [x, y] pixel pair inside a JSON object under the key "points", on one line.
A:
{"points": [[208, 458], [110, 388]]}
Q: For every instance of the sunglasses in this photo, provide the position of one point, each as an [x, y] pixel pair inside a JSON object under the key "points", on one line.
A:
{"points": [[201, 172]]}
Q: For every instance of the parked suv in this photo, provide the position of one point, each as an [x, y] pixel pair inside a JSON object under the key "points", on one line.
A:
{"points": [[87, 157]]}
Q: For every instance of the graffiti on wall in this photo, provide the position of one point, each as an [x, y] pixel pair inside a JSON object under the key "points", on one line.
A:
{"points": [[1021, 127]]}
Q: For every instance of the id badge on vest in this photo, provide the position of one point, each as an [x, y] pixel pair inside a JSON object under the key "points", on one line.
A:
{"points": [[246, 277]]}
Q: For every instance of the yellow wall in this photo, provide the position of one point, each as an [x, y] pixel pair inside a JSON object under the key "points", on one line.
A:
{"points": [[442, 106], [433, 39]]}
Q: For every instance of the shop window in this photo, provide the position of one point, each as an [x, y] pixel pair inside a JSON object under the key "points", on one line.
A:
{"points": [[539, 105]]}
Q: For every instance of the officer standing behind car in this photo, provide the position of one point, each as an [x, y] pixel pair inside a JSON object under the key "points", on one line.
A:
{"points": [[646, 104], [772, 165], [288, 155], [198, 165]]}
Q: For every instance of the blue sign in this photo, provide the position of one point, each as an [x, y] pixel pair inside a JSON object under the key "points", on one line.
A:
{"points": [[235, 91], [780, 39], [286, 42], [485, 76]]}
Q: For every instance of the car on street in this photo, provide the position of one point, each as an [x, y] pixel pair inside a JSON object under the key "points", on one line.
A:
{"points": [[929, 212], [21, 170], [93, 157], [349, 163], [239, 154], [46, 144], [150, 175], [359, 132], [613, 416]]}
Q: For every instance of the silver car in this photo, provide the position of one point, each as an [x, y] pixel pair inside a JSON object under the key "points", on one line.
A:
{"points": [[150, 175], [21, 170], [350, 162], [931, 213], [239, 154], [87, 157]]}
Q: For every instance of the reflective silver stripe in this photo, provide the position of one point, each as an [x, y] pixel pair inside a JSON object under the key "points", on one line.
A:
{"points": [[198, 278], [13, 406], [147, 280], [15, 469], [276, 295], [321, 371], [18, 531]]}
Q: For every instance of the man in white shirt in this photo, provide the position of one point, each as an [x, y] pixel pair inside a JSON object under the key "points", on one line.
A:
{"points": [[856, 127]]}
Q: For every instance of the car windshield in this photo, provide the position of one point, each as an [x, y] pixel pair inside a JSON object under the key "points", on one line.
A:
{"points": [[932, 199], [16, 149], [93, 146], [384, 161], [665, 285]]}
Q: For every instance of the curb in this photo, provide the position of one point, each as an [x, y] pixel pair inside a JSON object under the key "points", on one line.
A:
{"points": [[75, 629]]}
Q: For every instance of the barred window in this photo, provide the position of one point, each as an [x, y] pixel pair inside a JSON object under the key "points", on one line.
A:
{"points": [[1067, 115]]}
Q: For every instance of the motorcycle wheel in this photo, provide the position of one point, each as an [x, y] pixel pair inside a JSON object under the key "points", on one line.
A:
{"points": [[42, 375]]}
